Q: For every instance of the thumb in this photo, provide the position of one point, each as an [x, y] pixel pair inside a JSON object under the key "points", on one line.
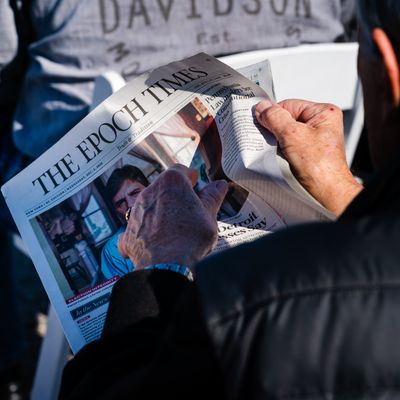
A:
{"points": [[121, 244], [274, 118], [213, 195]]}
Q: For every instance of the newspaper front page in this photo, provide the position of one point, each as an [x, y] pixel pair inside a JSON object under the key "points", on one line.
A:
{"points": [[198, 112]]}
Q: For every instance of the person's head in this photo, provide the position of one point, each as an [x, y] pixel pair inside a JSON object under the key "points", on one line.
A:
{"points": [[123, 187], [378, 63]]}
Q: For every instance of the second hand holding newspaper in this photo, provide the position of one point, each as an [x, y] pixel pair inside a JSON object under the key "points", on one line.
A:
{"points": [[198, 112]]}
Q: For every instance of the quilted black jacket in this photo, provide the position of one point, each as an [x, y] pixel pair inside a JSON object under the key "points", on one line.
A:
{"points": [[311, 312]]}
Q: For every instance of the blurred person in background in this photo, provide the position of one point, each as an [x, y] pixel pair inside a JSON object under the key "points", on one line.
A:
{"points": [[12, 339], [72, 42]]}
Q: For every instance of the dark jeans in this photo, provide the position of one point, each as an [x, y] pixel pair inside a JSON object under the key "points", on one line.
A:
{"points": [[12, 342]]}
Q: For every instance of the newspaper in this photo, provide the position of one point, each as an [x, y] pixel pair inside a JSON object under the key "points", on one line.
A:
{"points": [[198, 112]]}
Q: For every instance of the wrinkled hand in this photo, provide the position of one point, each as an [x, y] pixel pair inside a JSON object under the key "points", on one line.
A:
{"points": [[170, 222], [310, 136]]}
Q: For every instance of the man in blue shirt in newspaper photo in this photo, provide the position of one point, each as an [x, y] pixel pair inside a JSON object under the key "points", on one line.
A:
{"points": [[123, 187]]}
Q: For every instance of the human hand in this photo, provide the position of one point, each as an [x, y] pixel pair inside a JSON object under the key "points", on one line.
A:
{"points": [[170, 223], [310, 136]]}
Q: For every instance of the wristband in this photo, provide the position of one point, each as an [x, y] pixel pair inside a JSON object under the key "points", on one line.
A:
{"points": [[181, 269]]}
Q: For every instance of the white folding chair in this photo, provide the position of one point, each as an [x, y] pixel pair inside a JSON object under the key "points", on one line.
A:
{"points": [[317, 72], [105, 85], [55, 350]]}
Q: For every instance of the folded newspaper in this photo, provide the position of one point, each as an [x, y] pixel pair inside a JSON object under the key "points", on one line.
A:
{"points": [[69, 204]]}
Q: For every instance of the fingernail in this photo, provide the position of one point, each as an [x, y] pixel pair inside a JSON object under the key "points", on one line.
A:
{"points": [[128, 214], [262, 106]]}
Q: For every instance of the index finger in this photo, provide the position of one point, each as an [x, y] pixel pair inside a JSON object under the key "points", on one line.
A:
{"points": [[296, 107], [276, 119], [310, 112], [190, 173]]}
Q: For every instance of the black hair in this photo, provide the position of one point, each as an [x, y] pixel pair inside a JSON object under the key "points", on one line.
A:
{"points": [[120, 175]]}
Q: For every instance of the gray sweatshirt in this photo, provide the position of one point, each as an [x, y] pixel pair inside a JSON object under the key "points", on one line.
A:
{"points": [[74, 40]]}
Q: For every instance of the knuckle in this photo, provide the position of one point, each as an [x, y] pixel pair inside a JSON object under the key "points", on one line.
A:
{"points": [[332, 108], [335, 112], [144, 196], [172, 176], [178, 167], [208, 233], [272, 112]]}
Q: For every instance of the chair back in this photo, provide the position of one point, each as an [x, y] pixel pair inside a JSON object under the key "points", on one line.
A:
{"points": [[105, 85]]}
